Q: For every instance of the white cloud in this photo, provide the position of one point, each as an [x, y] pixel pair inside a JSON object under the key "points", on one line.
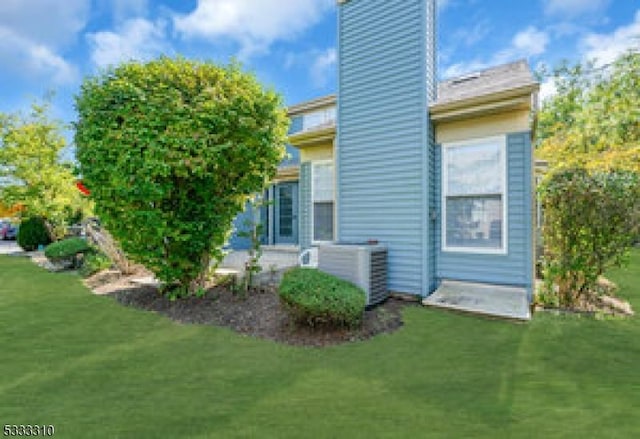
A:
{"points": [[547, 89], [33, 60], [607, 47], [33, 32], [254, 25], [136, 39], [53, 23], [323, 67], [574, 8], [527, 43]]}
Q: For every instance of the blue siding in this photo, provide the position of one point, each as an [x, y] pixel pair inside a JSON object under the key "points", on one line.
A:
{"points": [[293, 154], [433, 211], [382, 155], [516, 267], [304, 206], [240, 224]]}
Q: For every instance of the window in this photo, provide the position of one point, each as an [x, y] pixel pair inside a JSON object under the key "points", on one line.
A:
{"points": [[473, 196], [322, 193], [319, 118]]}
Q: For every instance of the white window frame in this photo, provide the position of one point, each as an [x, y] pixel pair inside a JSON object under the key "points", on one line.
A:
{"points": [[312, 214], [502, 142]]}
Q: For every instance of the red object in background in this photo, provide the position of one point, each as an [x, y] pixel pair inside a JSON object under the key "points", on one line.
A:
{"points": [[82, 188]]}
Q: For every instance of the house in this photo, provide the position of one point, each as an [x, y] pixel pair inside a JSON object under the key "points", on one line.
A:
{"points": [[441, 173]]}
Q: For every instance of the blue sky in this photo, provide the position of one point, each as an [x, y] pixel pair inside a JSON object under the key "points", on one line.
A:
{"points": [[50, 45]]}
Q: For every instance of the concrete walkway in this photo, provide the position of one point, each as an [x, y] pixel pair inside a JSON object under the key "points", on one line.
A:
{"points": [[273, 258], [484, 299], [9, 247]]}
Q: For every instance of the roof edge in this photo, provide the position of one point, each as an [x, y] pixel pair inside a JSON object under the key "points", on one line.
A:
{"points": [[313, 104], [527, 89]]}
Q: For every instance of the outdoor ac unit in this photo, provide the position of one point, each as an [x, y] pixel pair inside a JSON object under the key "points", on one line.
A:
{"points": [[363, 265]]}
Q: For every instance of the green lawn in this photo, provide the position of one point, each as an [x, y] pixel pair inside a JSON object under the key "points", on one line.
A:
{"points": [[95, 369]]}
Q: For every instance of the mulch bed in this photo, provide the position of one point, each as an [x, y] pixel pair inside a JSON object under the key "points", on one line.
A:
{"points": [[260, 314]]}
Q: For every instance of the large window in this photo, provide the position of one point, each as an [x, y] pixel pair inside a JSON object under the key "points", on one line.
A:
{"points": [[322, 193], [473, 196]]}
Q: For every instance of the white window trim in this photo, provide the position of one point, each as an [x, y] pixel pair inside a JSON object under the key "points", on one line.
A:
{"points": [[312, 215], [502, 141]]}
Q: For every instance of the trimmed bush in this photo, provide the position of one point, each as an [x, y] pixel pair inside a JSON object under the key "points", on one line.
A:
{"points": [[66, 249], [32, 233], [171, 150], [316, 298]]}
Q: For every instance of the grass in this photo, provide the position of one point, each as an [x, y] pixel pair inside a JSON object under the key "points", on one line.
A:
{"points": [[95, 369]]}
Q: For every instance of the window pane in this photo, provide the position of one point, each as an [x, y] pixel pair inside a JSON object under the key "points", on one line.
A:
{"points": [[474, 222], [474, 169], [323, 221], [323, 182], [285, 210]]}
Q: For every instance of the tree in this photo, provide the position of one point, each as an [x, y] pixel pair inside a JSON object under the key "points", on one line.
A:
{"points": [[592, 121], [32, 173], [171, 150], [589, 220]]}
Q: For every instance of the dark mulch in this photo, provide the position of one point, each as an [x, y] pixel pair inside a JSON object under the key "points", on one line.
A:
{"points": [[261, 314]]}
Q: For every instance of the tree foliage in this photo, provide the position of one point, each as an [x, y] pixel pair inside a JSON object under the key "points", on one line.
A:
{"points": [[594, 119], [589, 222], [171, 150], [31, 171], [33, 234]]}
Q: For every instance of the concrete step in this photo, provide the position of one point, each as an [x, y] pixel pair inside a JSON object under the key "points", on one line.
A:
{"points": [[484, 299]]}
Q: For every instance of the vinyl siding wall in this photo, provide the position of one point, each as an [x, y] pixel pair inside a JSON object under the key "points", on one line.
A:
{"points": [[381, 153], [304, 206], [240, 225], [516, 267]]}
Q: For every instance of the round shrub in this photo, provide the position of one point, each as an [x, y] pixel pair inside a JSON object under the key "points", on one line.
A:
{"points": [[316, 298], [33, 233], [66, 249]]}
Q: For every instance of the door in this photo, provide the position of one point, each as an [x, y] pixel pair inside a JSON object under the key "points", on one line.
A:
{"points": [[286, 213]]}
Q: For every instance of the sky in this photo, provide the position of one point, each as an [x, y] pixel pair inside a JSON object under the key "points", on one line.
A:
{"points": [[51, 45]]}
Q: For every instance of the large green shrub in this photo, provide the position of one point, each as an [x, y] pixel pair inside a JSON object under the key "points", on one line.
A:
{"points": [[314, 297], [171, 150], [66, 249], [590, 220], [32, 233]]}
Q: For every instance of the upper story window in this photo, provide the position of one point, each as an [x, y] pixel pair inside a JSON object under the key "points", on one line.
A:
{"points": [[322, 194], [318, 118], [474, 196]]}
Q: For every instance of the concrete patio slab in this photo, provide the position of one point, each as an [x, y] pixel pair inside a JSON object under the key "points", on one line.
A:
{"points": [[484, 299]]}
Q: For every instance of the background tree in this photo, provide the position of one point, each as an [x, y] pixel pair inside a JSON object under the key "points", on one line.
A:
{"points": [[171, 151], [594, 119], [32, 172]]}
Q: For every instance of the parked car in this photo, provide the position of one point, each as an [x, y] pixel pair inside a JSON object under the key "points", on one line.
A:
{"points": [[4, 226], [8, 230], [12, 232]]}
